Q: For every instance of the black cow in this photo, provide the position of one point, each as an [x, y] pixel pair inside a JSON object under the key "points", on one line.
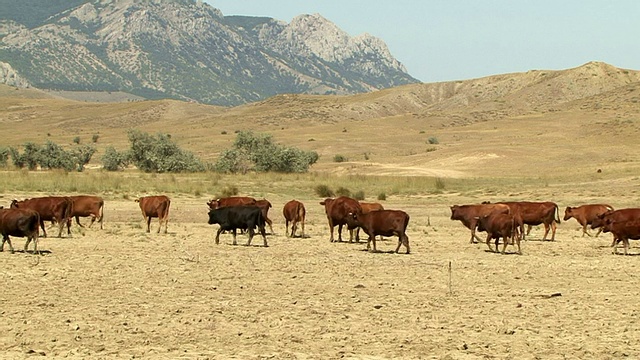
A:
{"points": [[231, 218]]}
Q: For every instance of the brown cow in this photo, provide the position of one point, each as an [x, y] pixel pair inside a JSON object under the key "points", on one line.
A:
{"points": [[155, 206], [337, 211], [264, 206], [469, 214], [619, 215], [231, 201], [622, 231], [535, 213], [586, 214], [367, 208], [86, 205], [50, 208], [382, 222], [499, 225], [20, 223], [293, 212]]}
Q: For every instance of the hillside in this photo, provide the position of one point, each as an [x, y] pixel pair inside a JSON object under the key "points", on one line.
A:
{"points": [[186, 50], [538, 123]]}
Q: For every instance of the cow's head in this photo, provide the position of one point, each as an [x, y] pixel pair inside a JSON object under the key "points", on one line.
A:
{"points": [[214, 204], [568, 213], [352, 219], [454, 210]]}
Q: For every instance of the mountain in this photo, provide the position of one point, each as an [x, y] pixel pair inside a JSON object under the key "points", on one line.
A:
{"points": [[186, 50]]}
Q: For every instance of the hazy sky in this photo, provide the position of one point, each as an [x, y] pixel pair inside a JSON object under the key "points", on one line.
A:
{"points": [[442, 40]]}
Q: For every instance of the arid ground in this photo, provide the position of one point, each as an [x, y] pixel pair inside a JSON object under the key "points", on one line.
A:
{"points": [[122, 293]]}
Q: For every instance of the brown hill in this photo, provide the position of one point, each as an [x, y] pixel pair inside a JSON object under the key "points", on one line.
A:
{"points": [[538, 122]]}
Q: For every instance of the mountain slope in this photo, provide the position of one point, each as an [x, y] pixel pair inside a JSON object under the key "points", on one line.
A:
{"points": [[190, 51]]}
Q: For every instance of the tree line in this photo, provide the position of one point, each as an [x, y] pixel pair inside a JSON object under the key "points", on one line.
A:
{"points": [[159, 153]]}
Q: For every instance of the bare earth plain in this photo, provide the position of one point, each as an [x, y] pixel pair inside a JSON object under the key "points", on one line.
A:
{"points": [[120, 293]]}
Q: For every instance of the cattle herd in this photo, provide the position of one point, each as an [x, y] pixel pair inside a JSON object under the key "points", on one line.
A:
{"points": [[502, 220]]}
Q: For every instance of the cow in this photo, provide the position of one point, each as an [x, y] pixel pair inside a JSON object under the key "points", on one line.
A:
{"points": [[368, 207], [231, 201], [231, 218], [20, 223], [50, 208], [265, 205], [337, 211], [382, 222], [619, 215], [469, 214], [293, 212], [500, 225], [155, 206], [535, 213], [622, 231], [586, 214], [86, 205]]}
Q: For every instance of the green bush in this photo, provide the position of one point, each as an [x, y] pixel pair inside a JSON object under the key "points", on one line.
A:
{"points": [[52, 156], [324, 191], [76, 140], [439, 184], [112, 160], [228, 191], [258, 152], [95, 138], [359, 195], [4, 157], [433, 140], [342, 191], [382, 196], [339, 158], [159, 154]]}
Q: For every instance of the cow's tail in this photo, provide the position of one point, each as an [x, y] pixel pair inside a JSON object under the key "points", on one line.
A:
{"points": [[101, 213], [557, 213], [609, 207]]}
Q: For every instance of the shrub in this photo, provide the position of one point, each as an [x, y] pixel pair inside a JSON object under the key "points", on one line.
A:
{"points": [[258, 152], [4, 157], [440, 185], [94, 138], [76, 140], [382, 196], [161, 154], [324, 191], [359, 195], [433, 140], [342, 191], [112, 160], [228, 191], [339, 158]]}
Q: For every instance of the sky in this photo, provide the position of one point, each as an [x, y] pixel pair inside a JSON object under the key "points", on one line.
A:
{"points": [[447, 40]]}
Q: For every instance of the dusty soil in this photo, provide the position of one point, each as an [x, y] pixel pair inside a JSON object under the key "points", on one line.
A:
{"points": [[122, 293]]}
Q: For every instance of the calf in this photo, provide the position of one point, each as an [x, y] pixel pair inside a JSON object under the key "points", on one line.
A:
{"points": [[293, 212], [337, 211], [20, 223], [499, 226], [535, 213], [469, 214], [586, 214], [382, 222], [155, 206], [367, 208], [50, 208], [622, 231], [238, 217]]}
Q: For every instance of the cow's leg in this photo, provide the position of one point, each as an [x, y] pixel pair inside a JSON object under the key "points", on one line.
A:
{"points": [[404, 239], [584, 230], [166, 223], [8, 240], [546, 231], [489, 241], [302, 223], [264, 236], [148, 220], [505, 242], [358, 235], [626, 245], [351, 231], [251, 234], [93, 219], [44, 232], [269, 222], [497, 242], [35, 244], [218, 235], [234, 237], [340, 233], [286, 228], [599, 231], [61, 225], [553, 230], [78, 221], [331, 226]]}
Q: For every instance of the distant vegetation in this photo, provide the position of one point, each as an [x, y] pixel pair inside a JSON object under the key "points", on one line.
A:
{"points": [[258, 152], [51, 156]]}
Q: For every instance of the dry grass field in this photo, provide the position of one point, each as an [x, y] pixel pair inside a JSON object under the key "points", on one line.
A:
{"points": [[122, 293]]}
